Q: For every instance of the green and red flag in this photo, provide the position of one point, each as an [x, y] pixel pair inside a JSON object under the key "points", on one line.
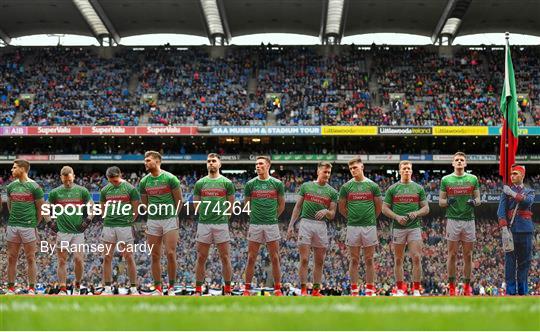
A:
{"points": [[509, 110]]}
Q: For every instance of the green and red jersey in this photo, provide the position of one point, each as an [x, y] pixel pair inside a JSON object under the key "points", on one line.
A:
{"points": [[159, 189], [263, 195], [22, 197], [360, 196], [74, 195], [462, 189], [316, 198], [118, 196], [404, 198], [213, 195]]}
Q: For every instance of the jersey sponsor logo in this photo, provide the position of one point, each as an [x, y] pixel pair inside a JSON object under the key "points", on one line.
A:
{"points": [[158, 190], [264, 194], [21, 197], [460, 190], [66, 201], [360, 196], [118, 198], [318, 199], [214, 192], [406, 198]]}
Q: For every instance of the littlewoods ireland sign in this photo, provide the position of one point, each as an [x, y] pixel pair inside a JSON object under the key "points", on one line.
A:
{"points": [[405, 131]]}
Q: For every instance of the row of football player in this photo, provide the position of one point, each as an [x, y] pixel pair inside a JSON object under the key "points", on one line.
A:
{"points": [[359, 200]]}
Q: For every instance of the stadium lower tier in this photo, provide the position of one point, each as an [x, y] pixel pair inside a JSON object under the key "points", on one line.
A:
{"points": [[488, 259]]}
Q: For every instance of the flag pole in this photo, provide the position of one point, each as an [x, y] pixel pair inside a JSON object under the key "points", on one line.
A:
{"points": [[506, 166]]}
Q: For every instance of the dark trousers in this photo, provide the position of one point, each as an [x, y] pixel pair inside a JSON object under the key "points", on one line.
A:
{"points": [[517, 264]]}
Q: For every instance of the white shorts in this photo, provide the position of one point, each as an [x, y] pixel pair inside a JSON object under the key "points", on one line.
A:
{"points": [[361, 236], [460, 230], [313, 233], [161, 227], [117, 234], [69, 239], [213, 233], [406, 235], [263, 233], [17, 234]]}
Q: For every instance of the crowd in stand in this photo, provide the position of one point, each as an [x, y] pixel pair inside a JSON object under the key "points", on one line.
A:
{"points": [[193, 88], [488, 259], [258, 85], [11, 67], [454, 90]]}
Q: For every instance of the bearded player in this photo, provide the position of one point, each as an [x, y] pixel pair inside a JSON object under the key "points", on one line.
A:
{"points": [[316, 205], [460, 194], [161, 194], [265, 194], [25, 198], [212, 196]]}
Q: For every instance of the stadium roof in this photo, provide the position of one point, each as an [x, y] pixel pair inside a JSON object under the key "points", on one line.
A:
{"points": [[230, 18]]}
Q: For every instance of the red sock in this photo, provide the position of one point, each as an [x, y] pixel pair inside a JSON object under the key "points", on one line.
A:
{"points": [[354, 287], [198, 289], [370, 286], [399, 285], [416, 285], [227, 288], [277, 286], [247, 286]]}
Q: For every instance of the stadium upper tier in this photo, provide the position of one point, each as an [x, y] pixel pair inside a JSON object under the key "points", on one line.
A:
{"points": [[266, 85]]}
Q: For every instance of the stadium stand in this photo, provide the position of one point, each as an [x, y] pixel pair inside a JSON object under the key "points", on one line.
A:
{"points": [[243, 86]]}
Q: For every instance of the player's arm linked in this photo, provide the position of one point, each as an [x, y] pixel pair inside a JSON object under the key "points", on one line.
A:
{"points": [[294, 216], [342, 207]]}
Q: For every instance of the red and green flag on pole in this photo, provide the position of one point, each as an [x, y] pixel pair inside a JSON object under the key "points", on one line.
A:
{"points": [[509, 110]]}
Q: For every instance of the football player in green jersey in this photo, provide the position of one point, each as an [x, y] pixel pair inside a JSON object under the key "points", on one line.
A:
{"points": [[25, 199], [360, 202], [213, 195], [70, 226], [120, 202], [316, 205], [161, 193], [460, 193], [405, 202], [266, 195]]}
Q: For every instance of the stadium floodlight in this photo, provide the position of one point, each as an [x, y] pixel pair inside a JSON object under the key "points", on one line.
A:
{"points": [[451, 26], [334, 17], [91, 17], [213, 18]]}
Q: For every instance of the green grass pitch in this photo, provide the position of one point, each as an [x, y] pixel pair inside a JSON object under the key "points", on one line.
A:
{"points": [[268, 313]]}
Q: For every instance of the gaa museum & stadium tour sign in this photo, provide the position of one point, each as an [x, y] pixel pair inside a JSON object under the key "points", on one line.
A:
{"points": [[266, 131]]}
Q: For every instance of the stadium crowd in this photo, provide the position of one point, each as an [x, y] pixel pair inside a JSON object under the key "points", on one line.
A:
{"points": [[261, 85]]}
